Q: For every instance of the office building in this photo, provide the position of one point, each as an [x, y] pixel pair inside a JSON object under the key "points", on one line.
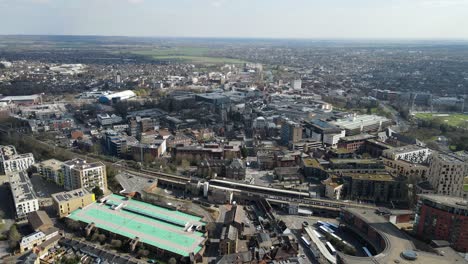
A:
{"points": [[290, 132], [11, 161], [24, 197], [374, 187], [443, 218], [323, 132], [78, 173], [66, 202]]}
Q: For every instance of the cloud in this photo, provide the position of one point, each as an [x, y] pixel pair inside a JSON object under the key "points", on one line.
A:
{"points": [[135, 1]]}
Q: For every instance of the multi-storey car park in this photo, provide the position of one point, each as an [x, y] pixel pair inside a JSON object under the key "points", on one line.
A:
{"points": [[165, 231]]}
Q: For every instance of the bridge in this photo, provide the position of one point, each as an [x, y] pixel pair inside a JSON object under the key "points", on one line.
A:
{"points": [[242, 190]]}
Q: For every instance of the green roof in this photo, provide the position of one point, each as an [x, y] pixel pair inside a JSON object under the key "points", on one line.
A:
{"points": [[154, 225]]}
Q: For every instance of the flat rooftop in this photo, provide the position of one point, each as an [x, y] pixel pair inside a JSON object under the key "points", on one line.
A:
{"points": [[357, 137], [370, 176], [82, 164], [449, 201], [66, 196], [157, 226], [405, 149], [52, 163], [21, 187], [356, 121]]}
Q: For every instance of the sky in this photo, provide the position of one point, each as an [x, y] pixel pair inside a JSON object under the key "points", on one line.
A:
{"points": [[316, 19]]}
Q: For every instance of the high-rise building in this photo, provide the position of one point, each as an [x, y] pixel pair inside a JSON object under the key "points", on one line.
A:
{"points": [[11, 161], [447, 173], [297, 84], [290, 132], [78, 173], [443, 218]]}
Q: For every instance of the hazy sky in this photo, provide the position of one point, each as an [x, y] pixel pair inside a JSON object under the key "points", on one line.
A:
{"points": [[239, 18]]}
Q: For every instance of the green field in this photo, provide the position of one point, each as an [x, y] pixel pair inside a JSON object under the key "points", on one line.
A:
{"points": [[455, 120], [197, 55]]}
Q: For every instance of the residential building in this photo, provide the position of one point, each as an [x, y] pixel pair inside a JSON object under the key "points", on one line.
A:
{"points": [[410, 153], [51, 170], [24, 197], [36, 239], [441, 217], [375, 187], [78, 173], [235, 170], [229, 240], [66, 202], [447, 173], [11, 161]]}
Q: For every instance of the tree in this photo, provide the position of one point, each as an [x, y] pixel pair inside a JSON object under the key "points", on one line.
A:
{"points": [[143, 253], [13, 237], [172, 261], [115, 243], [98, 192], [244, 152], [102, 238], [72, 224]]}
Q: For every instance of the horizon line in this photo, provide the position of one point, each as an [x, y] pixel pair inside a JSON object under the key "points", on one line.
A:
{"points": [[248, 38]]}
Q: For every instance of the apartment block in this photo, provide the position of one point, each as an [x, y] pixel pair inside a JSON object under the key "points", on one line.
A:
{"points": [[78, 173]]}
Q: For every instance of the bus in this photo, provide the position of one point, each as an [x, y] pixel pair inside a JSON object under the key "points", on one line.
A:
{"points": [[337, 237], [330, 248], [367, 251], [326, 229], [332, 225], [322, 223], [317, 234], [305, 241]]}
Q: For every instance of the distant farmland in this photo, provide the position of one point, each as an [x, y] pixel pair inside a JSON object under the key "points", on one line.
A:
{"points": [[197, 55]]}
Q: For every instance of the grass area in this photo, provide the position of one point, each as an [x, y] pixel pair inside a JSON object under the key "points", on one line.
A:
{"points": [[197, 55], [455, 120]]}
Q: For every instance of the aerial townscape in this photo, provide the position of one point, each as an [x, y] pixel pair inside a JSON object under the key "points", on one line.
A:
{"points": [[222, 150]]}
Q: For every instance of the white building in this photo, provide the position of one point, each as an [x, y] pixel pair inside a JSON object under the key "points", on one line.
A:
{"points": [[11, 161], [410, 153], [106, 119], [37, 238], [24, 197], [297, 84], [447, 173], [78, 173], [357, 124]]}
